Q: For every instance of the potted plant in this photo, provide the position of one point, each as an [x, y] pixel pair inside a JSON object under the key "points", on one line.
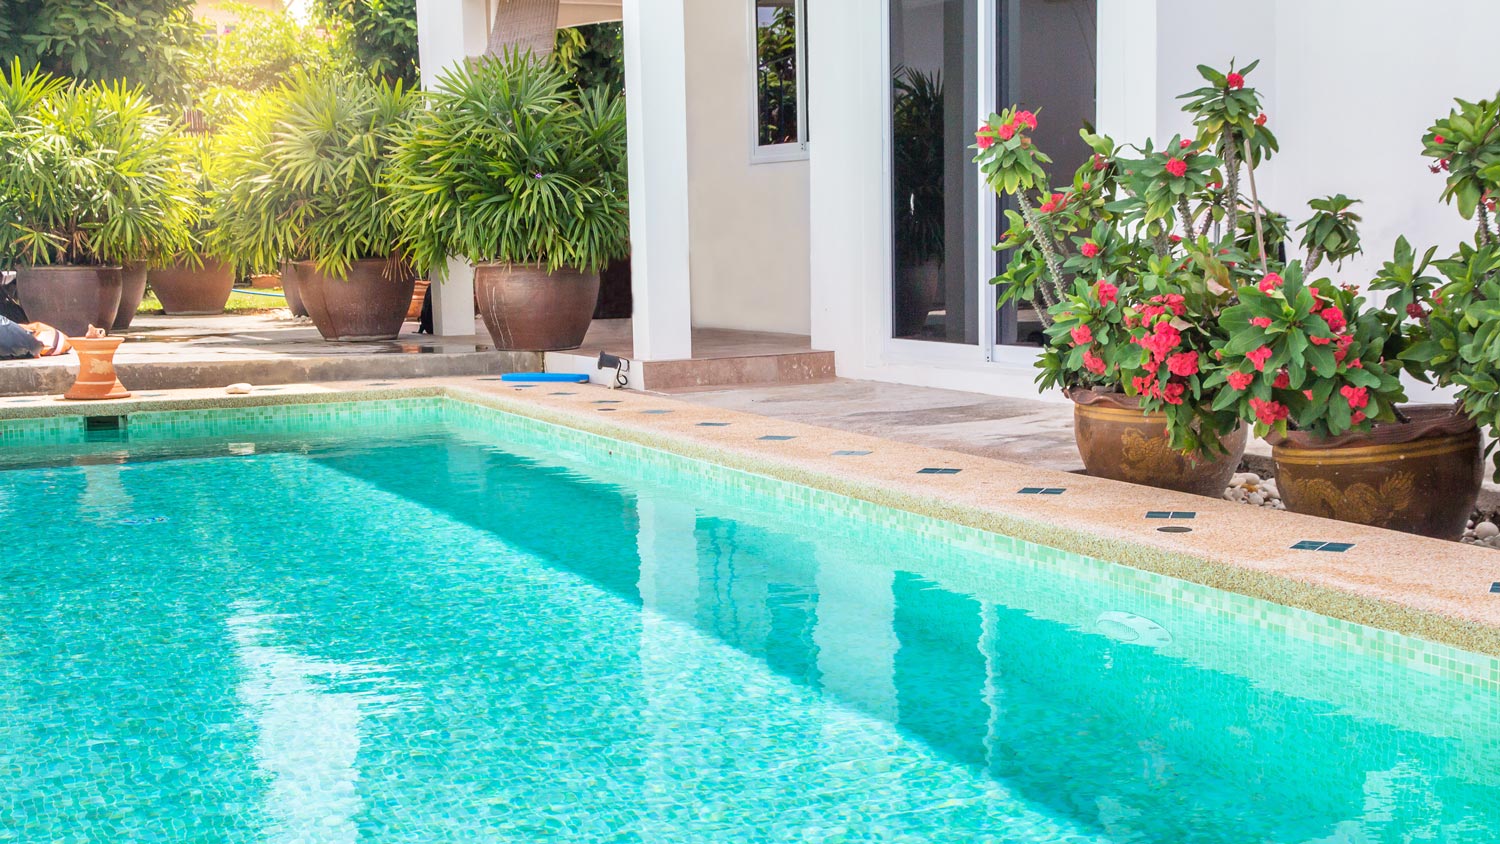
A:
{"points": [[199, 278], [88, 185], [524, 175], [306, 182]]}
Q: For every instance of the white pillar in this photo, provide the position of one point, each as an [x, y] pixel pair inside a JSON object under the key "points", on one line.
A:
{"points": [[656, 115], [450, 32]]}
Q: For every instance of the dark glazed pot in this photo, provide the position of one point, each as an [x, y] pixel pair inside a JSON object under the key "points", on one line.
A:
{"points": [[70, 298], [1421, 476], [370, 304], [1120, 442], [291, 290], [527, 309], [185, 290], [132, 290]]}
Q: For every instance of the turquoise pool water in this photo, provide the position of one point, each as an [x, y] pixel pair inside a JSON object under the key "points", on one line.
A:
{"points": [[424, 621]]}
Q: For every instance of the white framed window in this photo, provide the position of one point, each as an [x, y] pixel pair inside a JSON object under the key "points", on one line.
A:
{"points": [[778, 44]]}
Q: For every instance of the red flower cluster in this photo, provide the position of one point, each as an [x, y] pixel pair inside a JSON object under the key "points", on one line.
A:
{"points": [[1358, 397], [1240, 380], [1183, 364], [1439, 140], [1177, 167], [1159, 305], [1269, 282], [1269, 412], [1415, 311], [1089, 249], [1056, 202], [1283, 380], [1335, 319], [1261, 322], [1235, 81], [1093, 363], [983, 139], [1161, 341], [1259, 357], [1184, 143], [1106, 292], [1260, 119]]}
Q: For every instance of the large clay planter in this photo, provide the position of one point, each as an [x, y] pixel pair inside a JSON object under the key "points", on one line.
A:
{"points": [[132, 291], [525, 308], [1118, 441], [1421, 476], [291, 290], [96, 370], [185, 290], [369, 304], [70, 298]]}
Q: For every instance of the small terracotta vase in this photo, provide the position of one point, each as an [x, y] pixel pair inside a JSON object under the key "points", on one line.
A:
{"points": [[96, 370]]}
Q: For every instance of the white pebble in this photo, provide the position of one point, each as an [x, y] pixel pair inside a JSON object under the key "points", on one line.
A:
{"points": [[1486, 530], [1255, 499], [1244, 478], [237, 389]]}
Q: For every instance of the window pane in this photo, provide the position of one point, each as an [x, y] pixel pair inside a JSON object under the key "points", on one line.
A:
{"points": [[776, 71], [935, 188]]}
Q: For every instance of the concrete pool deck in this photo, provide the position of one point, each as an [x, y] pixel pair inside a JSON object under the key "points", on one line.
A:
{"points": [[1434, 590]]}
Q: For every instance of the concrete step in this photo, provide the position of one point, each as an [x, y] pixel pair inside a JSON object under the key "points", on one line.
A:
{"points": [[800, 367]]}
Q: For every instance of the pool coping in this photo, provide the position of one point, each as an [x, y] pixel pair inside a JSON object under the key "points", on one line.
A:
{"points": [[1429, 589]]}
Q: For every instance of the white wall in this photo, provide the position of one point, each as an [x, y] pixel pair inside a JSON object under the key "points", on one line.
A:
{"points": [[749, 222]]}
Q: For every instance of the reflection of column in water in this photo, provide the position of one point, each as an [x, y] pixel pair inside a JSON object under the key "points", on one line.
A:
{"points": [[669, 594], [104, 500], [854, 634], [308, 735]]}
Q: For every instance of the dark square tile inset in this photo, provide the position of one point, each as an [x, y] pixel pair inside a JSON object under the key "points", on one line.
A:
{"points": [[1330, 547], [776, 438], [851, 453], [934, 470], [1042, 490], [607, 401], [606, 409], [713, 424], [1495, 587], [1174, 529], [657, 412], [562, 394], [1172, 514]]}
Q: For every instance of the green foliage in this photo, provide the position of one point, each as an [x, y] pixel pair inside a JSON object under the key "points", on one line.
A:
{"points": [[1228, 114], [917, 115], [594, 56], [776, 78], [263, 49], [1466, 144], [88, 174], [1332, 231], [382, 35], [511, 163], [147, 43], [304, 173]]}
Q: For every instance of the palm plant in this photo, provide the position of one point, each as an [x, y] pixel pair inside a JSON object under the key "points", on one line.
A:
{"points": [[512, 164]]}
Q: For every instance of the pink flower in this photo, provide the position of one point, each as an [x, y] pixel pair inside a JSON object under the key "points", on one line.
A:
{"points": [[1162, 341], [1183, 364], [983, 139], [1261, 322], [1099, 162], [1415, 311], [1235, 81], [1356, 364], [1335, 319], [1260, 119], [1089, 249], [1259, 358], [1152, 311], [1176, 166], [1093, 363], [1176, 303], [1106, 292], [1006, 132], [1358, 397], [1172, 393], [1283, 380], [1145, 385], [1082, 335], [1357, 417], [1320, 341], [1184, 143], [1269, 282], [1025, 118], [1175, 238], [1085, 186], [1240, 380], [1439, 139], [1269, 412]]}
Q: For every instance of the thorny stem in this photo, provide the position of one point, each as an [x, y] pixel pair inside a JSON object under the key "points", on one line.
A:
{"points": [[1314, 257], [1485, 237], [1232, 185], [1186, 213], [1044, 242], [1260, 230], [1160, 245]]}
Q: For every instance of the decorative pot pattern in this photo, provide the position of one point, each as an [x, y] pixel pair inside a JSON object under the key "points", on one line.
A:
{"points": [[1119, 442], [185, 290], [70, 298], [1421, 476], [96, 379], [132, 291], [526, 308], [369, 304]]}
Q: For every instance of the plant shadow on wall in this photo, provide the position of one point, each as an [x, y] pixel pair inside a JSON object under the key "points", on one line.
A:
{"points": [[1174, 319], [917, 121]]}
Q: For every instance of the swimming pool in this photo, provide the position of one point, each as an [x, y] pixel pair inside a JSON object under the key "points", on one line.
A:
{"points": [[424, 620]]}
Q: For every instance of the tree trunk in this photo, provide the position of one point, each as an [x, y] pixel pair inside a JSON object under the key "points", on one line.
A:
{"points": [[524, 25]]}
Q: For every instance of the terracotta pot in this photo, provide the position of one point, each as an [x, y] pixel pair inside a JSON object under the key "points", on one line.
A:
{"points": [[70, 298], [185, 290], [96, 370], [132, 290], [291, 290], [1118, 441], [1421, 476], [525, 308], [369, 304], [418, 295]]}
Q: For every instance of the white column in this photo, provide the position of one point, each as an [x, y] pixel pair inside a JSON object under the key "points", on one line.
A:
{"points": [[656, 116], [450, 32]]}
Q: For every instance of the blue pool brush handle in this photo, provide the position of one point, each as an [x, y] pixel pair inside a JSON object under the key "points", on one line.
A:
{"points": [[546, 377]]}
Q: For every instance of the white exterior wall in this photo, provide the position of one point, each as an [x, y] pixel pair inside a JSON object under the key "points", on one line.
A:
{"points": [[749, 222], [1349, 87]]}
